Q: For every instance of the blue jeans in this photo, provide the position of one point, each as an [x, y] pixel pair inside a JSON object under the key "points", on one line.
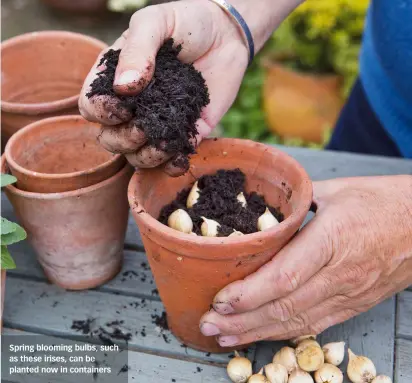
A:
{"points": [[358, 130]]}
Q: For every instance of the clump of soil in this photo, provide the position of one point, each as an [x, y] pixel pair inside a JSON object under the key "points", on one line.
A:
{"points": [[168, 108], [218, 201]]}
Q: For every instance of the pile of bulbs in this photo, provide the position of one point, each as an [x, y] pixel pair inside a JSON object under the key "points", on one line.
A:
{"points": [[181, 221], [295, 365]]}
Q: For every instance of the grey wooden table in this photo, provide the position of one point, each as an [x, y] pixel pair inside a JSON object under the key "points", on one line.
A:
{"points": [[34, 306]]}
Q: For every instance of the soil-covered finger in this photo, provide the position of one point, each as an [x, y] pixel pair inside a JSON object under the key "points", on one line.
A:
{"points": [[148, 157], [127, 138], [108, 110], [177, 166], [104, 109], [169, 107]]}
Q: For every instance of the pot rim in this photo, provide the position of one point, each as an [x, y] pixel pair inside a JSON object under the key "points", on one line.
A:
{"points": [[169, 234], [52, 106], [277, 61], [60, 195], [52, 176]]}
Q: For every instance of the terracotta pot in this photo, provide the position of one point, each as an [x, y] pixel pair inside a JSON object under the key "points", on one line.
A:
{"points": [[190, 270], [42, 75], [3, 292], [60, 154], [300, 105], [78, 235], [78, 6]]}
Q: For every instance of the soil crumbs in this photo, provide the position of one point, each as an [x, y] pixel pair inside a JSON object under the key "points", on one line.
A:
{"points": [[168, 108], [218, 201], [106, 337]]}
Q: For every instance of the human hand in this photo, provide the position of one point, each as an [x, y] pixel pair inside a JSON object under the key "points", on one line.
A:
{"points": [[356, 252], [210, 40]]}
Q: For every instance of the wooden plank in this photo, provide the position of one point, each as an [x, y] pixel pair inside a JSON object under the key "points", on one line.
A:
{"points": [[322, 165], [143, 368], [135, 278], [370, 334], [404, 315], [403, 366], [27, 301]]}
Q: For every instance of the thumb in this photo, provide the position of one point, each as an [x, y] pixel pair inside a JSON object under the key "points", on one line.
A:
{"points": [[146, 34]]}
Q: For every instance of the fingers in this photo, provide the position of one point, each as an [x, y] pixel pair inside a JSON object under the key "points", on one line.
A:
{"points": [[290, 269], [314, 321], [316, 291], [148, 157], [177, 166], [127, 138], [102, 109], [147, 32]]}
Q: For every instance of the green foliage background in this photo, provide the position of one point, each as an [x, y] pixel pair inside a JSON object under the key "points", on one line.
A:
{"points": [[10, 232], [324, 36]]}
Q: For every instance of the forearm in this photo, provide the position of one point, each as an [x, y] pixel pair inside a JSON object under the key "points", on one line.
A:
{"points": [[264, 16]]}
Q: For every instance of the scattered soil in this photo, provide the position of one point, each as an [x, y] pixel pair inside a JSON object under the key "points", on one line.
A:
{"points": [[218, 201], [168, 108], [82, 326], [124, 369], [106, 337], [160, 321]]}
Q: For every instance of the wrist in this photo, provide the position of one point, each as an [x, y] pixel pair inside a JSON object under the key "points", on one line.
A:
{"points": [[264, 16]]}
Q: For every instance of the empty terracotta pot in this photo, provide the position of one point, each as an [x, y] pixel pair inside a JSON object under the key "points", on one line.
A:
{"points": [[42, 75], [60, 154], [190, 270], [78, 235]]}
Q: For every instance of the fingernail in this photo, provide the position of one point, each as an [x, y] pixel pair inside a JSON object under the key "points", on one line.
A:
{"points": [[127, 78], [228, 341], [223, 308], [209, 329]]}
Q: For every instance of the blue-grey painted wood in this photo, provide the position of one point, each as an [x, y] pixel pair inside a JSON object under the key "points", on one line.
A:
{"points": [[322, 165], [371, 334], [403, 366], [42, 308], [135, 278], [404, 317], [143, 368], [133, 240]]}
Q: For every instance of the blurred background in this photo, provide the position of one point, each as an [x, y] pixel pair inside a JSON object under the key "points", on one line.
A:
{"points": [[293, 92]]}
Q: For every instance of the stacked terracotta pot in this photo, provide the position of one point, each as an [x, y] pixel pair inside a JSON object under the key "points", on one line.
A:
{"points": [[70, 195]]}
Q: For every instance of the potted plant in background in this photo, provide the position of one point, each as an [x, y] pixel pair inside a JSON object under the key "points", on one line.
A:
{"points": [[340, 23], [312, 66], [10, 233]]}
